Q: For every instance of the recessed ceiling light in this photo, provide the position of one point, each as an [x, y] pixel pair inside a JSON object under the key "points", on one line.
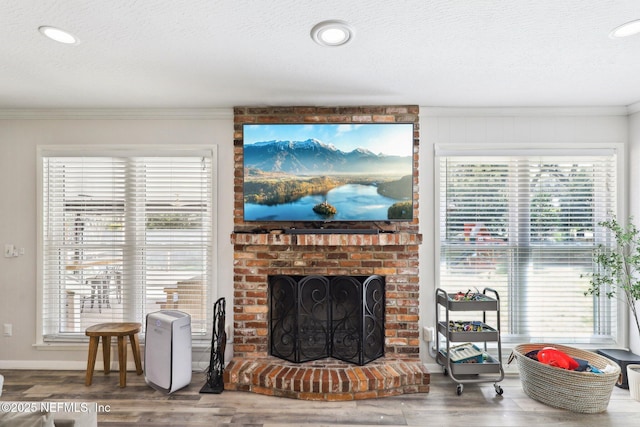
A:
{"points": [[626, 30], [332, 33], [58, 35]]}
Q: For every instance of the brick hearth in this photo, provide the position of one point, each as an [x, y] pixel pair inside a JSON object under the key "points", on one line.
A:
{"points": [[327, 379]]}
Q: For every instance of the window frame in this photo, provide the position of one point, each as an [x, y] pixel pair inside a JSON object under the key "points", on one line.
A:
{"points": [[543, 149], [43, 151]]}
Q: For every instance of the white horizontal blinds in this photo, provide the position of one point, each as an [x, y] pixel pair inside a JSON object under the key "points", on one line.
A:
{"points": [[83, 241], [120, 235], [526, 226], [172, 231]]}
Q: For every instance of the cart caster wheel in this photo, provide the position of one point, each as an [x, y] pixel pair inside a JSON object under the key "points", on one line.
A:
{"points": [[459, 389], [499, 390]]}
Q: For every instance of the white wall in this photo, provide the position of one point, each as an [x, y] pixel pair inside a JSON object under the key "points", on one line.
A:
{"points": [[21, 132], [634, 201], [516, 127], [18, 223]]}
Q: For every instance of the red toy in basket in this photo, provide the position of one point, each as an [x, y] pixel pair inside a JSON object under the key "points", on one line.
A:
{"points": [[553, 357]]}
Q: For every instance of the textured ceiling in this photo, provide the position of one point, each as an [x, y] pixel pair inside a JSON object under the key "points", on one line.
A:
{"points": [[208, 53]]}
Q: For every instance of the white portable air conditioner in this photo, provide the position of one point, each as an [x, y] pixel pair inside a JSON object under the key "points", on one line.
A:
{"points": [[167, 350]]}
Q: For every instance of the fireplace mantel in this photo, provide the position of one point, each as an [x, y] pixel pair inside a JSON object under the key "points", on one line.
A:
{"points": [[323, 239]]}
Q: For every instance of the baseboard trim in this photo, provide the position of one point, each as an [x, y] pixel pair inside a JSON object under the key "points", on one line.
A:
{"points": [[49, 365], [74, 365]]}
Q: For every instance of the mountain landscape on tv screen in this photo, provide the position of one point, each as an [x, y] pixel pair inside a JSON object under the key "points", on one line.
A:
{"points": [[313, 181], [313, 157]]}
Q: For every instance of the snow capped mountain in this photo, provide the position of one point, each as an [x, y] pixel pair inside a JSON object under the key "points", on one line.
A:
{"points": [[315, 157], [309, 144], [363, 151]]}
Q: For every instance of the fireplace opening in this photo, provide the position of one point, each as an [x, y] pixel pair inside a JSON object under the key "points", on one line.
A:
{"points": [[314, 317]]}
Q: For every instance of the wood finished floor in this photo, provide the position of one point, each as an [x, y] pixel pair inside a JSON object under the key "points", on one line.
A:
{"points": [[140, 405]]}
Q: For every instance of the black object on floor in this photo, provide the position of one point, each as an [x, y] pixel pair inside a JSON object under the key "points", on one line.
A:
{"points": [[622, 358], [215, 381]]}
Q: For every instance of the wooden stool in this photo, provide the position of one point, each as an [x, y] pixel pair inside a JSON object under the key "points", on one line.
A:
{"points": [[106, 331]]}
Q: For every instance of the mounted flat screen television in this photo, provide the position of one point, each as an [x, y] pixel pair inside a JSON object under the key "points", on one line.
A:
{"points": [[328, 172]]}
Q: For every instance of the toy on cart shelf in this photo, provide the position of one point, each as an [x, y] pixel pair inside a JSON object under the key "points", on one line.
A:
{"points": [[473, 326], [464, 353], [469, 296]]}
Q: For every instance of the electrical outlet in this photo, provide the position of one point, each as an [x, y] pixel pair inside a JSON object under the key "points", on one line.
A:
{"points": [[428, 333], [7, 329]]}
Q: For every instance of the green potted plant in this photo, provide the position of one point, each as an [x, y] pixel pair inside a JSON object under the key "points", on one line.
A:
{"points": [[619, 273], [619, 276]]}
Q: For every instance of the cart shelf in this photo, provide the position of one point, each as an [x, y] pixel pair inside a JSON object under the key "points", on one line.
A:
{"points": [[488, 366], [487, 333], [484, 303]]}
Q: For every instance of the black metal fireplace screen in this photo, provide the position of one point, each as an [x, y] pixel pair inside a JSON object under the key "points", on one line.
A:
{"points": [[313, 317]]}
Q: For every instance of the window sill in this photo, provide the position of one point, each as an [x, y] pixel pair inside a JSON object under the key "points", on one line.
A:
{"points": [[61, 346]]}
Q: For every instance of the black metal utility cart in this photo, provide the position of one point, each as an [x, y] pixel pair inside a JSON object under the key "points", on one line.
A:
{"points": [[468, 363]]}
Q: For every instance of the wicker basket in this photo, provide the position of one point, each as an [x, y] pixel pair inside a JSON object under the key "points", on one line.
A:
{"points": [[583, 392]]}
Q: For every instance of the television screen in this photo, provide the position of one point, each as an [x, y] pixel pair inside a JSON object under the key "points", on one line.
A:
{"points": [[328, 172]]}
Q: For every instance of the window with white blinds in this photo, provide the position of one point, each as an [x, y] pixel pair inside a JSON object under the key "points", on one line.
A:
{"points": [[124, 235], [527, 226]]}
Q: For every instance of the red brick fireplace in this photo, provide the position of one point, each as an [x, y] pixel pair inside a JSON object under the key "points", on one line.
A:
{"points": [[265, 251]]}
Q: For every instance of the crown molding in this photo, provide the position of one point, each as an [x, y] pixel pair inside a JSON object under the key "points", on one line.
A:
{"points": [[117, 114], [634, 108], [521, 111], [227, 113]]}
